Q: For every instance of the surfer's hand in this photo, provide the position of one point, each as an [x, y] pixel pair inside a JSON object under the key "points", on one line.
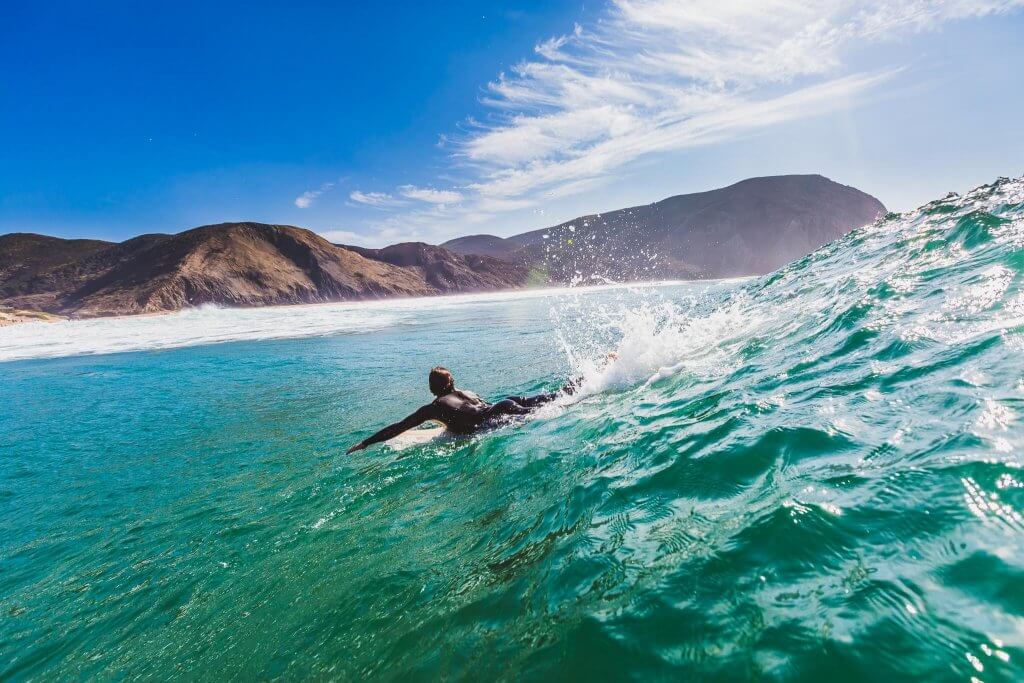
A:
{"points": [[358, 447]]}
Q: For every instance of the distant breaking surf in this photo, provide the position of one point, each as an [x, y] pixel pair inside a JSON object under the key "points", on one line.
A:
{"points": [[213, 325]]}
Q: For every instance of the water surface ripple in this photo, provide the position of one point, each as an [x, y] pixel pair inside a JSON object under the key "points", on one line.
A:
{"points": [[812, 474]]}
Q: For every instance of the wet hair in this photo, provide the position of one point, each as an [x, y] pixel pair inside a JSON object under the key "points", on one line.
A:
{"points": [[441, 381]]}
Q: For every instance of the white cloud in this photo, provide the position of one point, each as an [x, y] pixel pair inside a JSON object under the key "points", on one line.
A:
{"points": [[430, 195], [306, 199], [343, 237], [376, 199], [373, 240], [663, 75]]}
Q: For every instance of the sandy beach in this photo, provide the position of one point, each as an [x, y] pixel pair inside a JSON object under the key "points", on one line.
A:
{"points": [[13, 316]]}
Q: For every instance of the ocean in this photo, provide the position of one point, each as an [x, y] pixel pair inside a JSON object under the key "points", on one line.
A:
{"points": [[814, 474]]}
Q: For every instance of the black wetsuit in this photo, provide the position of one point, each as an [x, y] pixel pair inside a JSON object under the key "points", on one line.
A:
{"points": [[463, 412]]}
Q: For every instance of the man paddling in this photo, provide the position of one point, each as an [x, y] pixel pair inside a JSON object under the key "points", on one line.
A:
{"points": [[461, 411]]}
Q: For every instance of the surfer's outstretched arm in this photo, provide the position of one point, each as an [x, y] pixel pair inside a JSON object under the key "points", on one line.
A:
{"points": [[427, 412]]}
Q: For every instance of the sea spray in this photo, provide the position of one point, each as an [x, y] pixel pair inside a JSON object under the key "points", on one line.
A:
{"points": [[880, 278]]}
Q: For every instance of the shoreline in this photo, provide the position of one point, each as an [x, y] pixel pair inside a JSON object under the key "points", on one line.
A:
{"points": [[16, 316], [210, 325], [12, 316]]}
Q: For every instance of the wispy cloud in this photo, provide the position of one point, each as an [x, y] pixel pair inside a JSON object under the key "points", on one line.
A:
{"points": [[658, 75], [306, 199], [662, 75], [430, 195], [375, 199]]}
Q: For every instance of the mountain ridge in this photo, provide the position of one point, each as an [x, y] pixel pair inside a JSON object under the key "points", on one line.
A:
{"points": [[235, 264], [747, 228]]}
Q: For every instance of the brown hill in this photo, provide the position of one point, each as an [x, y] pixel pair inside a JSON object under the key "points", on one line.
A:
{"points": [[484, 245], [749, 228], [447, 271], [235, 264], [24, 255]]}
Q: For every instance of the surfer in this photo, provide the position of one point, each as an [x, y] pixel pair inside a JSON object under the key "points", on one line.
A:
{"points": [[461, 411]]}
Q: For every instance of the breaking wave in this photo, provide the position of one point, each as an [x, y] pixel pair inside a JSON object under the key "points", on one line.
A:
{"points": [[809, 475], [211, 324]]}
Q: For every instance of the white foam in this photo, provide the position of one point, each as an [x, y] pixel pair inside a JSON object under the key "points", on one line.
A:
{"points": [[656, 339], [206, 325], [211, 324]]}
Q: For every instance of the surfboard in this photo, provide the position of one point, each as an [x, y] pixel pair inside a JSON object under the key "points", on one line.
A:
{"points": [[418, 436]]}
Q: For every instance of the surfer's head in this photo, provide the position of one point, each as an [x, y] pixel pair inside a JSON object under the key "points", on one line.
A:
{"points": [[441, 381]]}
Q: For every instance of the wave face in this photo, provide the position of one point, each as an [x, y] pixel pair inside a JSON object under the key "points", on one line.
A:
{"points": [[811, 475], [829, 481]]}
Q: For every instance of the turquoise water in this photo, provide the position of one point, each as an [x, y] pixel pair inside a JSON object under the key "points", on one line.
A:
{"points": [[814, 473]]}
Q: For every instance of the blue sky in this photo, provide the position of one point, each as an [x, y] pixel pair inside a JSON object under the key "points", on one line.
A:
{"points": [[379, 122]]}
